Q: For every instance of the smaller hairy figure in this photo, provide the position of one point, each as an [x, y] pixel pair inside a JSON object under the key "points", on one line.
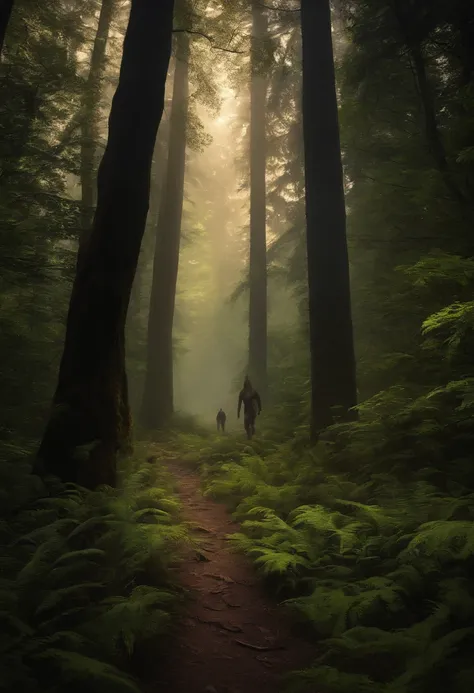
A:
{"points": [[221, 419], [250, 399]]}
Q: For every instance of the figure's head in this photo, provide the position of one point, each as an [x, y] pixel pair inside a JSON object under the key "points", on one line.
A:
{"points": [[247, 383]]}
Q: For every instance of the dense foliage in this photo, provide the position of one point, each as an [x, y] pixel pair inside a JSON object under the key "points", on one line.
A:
{"points": [[85, 577], [40, 90]]}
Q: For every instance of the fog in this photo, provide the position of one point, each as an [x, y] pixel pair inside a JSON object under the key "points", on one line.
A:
{"points": [[210, 330], [211, 327]]}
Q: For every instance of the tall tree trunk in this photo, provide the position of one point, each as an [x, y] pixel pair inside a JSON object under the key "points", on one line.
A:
{"points": [[464, 23], [331, 339], [258, 246], [158, 172], [433, 135], [137, 317], [157, 404], [90, 409], [408, 25], [91, 102], [148, 243], [6, 7]]}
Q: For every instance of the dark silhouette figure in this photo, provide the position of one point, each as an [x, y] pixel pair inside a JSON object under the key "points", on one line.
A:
{"points": [[249, 398], [221, 419]]}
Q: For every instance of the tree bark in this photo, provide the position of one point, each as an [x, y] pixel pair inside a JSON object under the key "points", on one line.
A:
{"points": [[89, 135], [258, 245], [137, 322], [148, 243], [466, 32], [408, 29], [90, 421], [331, 336], [6, 7], [157, 403], [433, 136]]}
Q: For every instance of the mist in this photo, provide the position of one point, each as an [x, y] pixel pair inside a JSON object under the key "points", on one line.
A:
{"points": [[210, 328]]}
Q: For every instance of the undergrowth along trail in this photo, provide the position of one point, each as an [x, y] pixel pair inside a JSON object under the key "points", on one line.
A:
{"points": [[378, 563], [232, 639], [84, 578]]}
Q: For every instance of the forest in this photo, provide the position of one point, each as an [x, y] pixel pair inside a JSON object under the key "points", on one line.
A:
{"points": [[209, 204]]}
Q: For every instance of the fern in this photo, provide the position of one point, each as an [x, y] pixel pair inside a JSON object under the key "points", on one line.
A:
{"points": [[82, 592], [444, 540], [68, 603], [330, 680], [277, 561], [127, 619], [326, 609], [72, 666]]}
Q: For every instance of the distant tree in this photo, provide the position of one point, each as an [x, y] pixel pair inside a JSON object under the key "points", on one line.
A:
{"points": [[91, 100], [157, 403], [5, 12], [414, 23], [158, 170], [90, 419], [258, 249], [331, 339]]}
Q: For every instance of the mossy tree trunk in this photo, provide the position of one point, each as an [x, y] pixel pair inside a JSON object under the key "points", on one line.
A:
{"points": [[90, 421]]}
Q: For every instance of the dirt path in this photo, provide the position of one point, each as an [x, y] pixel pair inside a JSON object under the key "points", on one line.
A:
{"points": [[232, 639]]}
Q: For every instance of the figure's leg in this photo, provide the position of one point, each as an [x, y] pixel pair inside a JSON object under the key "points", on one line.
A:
{"points": [[248, 427]]}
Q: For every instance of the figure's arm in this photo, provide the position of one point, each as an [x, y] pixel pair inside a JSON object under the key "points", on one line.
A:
{"points": [[259, 401], [240, 405]]}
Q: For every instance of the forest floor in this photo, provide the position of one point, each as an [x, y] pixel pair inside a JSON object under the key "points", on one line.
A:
{"points": [[232, 637]]}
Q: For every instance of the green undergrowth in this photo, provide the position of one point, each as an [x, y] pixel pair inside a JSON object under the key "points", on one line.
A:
{"points": [[368, 537], [85, 580]]}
